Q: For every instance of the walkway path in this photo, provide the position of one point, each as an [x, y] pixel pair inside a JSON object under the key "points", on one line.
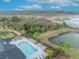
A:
{"points": [[13, 31]]}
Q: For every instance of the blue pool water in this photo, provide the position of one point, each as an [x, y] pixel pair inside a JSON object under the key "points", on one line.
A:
{"points": [[26, 48]]}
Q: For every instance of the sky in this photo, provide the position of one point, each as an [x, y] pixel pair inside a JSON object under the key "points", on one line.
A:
{"points": [[38, 5]]}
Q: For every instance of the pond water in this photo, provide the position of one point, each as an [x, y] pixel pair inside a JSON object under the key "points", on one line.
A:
{"points": [[72, 38]]}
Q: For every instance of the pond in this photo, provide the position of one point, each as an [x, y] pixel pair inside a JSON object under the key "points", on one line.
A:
{"points": [[72, 38]]}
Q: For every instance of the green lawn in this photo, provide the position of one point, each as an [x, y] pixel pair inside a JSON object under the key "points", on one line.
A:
{"points": [[74, 53], [6, 35]]}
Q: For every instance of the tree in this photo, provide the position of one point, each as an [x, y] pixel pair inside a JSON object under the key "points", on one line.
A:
{"points": [[50, 53], [65, 47]]}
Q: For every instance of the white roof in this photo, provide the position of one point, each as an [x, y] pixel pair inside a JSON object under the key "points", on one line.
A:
{"points": [[73, 20]]}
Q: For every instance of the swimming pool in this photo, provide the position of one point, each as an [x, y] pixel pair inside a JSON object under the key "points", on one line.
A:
{"points": [[29, 49], [26, 48]]}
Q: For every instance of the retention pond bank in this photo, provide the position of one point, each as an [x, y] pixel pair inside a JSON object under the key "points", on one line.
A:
{"points": [[72, 38]]}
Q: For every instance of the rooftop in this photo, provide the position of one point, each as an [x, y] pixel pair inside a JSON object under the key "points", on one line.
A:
{"points": [[8, 51], [73, 20]]}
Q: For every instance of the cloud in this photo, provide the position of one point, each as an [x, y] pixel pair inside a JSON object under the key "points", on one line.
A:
{"points": [[7, 1], [57, 2], [29, 7], [63, 2], [75, 4], [36, 1], [56, 7]]}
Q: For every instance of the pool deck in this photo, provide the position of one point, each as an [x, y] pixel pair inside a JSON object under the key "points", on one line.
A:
{"points": [[39, 53]]}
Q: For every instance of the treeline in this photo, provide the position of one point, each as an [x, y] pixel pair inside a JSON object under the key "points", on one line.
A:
{"points": [[28, 26]]}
